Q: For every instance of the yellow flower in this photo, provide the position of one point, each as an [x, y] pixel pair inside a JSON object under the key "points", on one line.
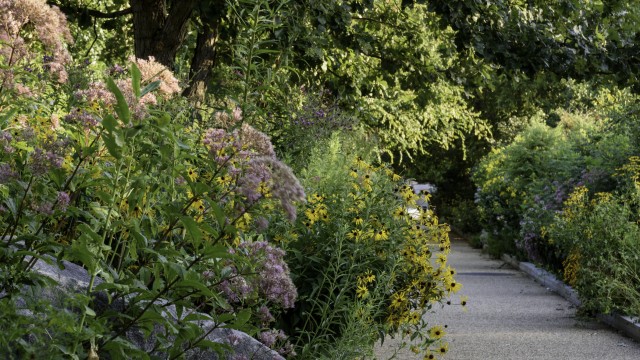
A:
{"points": [[413, 317], [362, 291], [198, 206], [354, 234], [358, 220], [192, 174], [453, 286], [444, 347], [399, 213], [429, 356], [381, 234], [398, 300], [264, 189], [436, 332], [312, 216], [463, 302], [224, 180]]}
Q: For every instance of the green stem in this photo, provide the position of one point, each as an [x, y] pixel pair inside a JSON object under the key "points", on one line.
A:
{"points": [[84, 315], [14, 228]]}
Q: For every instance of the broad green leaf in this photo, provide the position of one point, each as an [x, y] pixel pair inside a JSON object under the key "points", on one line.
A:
{"points": [[122, 108], [149, 88], [113, 144], [192, 228], [110, 123], [136, 76], [87, 230], [197, 285]]}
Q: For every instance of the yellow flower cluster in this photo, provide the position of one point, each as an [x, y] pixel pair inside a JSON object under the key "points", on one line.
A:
{"points": [[571, 265], [317, 210], [379, 224]]}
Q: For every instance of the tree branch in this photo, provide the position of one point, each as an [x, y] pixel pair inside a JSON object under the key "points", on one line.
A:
{"points": [[91, 12]]}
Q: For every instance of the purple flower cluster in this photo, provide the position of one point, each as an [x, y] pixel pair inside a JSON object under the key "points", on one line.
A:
{"points": [[63, 200], [235, 288], [82, 117], [5, 142], [273, 338], [274, 280], [248, 154], [271, 279], [270, 337], [265, 315], [7, 173], [50, 156]]}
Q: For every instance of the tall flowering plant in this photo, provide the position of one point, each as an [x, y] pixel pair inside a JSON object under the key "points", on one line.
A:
{"points": [[361, 261], [160, 212]]}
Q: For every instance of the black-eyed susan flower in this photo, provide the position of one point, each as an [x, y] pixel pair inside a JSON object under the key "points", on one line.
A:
{"points": [[463, 302], [453, 286], [398, 300], [354, 234], [413, 317], [443, 348], [429, 356], [192, 174], [381, 234], [362, 291], [436, 332]]}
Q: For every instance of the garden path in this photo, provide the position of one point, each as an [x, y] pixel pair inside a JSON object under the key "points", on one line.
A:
{"points": [[512, 317]]}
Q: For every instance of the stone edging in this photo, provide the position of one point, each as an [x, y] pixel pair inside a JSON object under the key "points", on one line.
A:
{"points": [[626, 324]]}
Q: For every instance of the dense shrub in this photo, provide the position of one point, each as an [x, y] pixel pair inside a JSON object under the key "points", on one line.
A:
{"points": [[555, 196], [601, 243]]}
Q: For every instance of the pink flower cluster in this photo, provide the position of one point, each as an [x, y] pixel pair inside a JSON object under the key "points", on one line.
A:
{"points": [[50, 28], [272, 280], [97, 92], [248, 154]]}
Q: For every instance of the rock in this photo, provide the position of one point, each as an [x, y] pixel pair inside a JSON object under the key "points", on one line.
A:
{"points": [[74, 278]]}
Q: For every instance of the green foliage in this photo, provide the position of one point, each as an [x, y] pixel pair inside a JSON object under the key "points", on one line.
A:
{"points": [[533, 197], [601, 240], [147, 203], [359, 260]]}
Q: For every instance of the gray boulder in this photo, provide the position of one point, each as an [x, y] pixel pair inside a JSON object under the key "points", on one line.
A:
{"points": [[74, 278]]}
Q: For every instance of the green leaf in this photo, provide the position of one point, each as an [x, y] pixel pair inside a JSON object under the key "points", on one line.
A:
{"points": [[192, 228], [113, 144], [197, 285], [122, 108], [149, 88], [219, 213], [87, 230], [5, 118], [136, 76], [89, 311], [110, 123], [242, 317]]}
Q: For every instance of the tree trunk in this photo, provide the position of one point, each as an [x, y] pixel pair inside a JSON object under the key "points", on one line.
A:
{"points": [[202, 63], [159, 35]]}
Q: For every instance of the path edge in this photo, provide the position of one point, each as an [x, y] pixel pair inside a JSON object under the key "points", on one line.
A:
{"points": [[628, 325]]}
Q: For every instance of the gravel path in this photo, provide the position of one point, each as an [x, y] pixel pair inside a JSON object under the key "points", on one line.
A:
{"points": [[512, 317]]}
